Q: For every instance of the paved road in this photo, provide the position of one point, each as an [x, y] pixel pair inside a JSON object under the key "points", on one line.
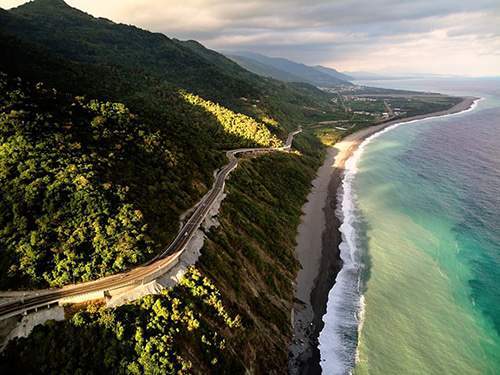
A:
{"points": [[388, 109], [20, 303]]}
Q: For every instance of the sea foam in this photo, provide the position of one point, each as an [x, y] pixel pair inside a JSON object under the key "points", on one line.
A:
{"points": [[338, 341]]}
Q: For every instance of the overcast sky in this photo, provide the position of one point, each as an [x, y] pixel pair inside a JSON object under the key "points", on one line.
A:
{"points": [[420, 36]]}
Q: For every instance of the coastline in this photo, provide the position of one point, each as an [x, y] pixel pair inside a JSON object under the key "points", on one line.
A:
{"points": [[318, 241]]}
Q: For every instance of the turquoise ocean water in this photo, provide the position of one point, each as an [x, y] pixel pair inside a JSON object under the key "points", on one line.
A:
{"points": [[420, 289]]}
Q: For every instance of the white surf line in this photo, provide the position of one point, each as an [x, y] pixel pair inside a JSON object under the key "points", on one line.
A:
{"points": [[338, 361]]}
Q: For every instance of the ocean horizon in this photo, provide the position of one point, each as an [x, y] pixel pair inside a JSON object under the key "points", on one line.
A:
{"points": [[420, 210]]}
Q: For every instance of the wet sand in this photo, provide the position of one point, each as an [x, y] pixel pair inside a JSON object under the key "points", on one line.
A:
{"points": [[317, 250]]}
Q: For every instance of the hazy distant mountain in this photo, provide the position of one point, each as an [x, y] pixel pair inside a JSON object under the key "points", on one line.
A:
{"points": [[287, 70], [333, 72], [395, 76], [264, 70]]}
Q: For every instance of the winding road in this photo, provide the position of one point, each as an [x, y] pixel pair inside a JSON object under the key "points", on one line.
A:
{"points": [[20, 302]]}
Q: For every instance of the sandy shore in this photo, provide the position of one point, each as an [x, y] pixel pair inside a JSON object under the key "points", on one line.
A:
{"points": [[318, 239]]}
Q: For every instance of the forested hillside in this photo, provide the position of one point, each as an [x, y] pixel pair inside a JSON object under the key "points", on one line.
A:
{"points": [[107, 134], [76, 36], [230, 315], [88, 189], [138, 119]]}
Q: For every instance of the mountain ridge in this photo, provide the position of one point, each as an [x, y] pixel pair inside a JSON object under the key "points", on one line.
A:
{"points": [[288, 70], [333, 72], [74, 35], [68, 54], [111, 133]]}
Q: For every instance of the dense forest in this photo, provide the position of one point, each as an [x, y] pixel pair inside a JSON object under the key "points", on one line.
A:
{"points": [[88, 189], [142, 162], [154, 335], [216, 320], [98, 43], [93, 186]]}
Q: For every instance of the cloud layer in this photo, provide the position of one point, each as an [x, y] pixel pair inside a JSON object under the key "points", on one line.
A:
{"points": [[433, 36]]}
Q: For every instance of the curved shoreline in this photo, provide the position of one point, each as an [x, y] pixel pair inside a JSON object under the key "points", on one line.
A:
{"points": [[318, 241]]}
